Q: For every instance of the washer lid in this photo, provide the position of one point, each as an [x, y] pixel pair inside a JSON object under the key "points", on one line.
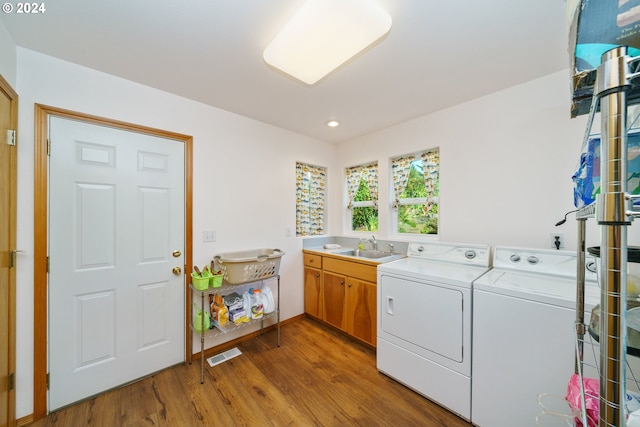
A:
{"points": [[548, 289], [442, 272]]}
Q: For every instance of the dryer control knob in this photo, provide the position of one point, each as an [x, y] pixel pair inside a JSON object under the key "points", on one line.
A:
{"points": [[533, 259], [515, 258], [470, 254]]}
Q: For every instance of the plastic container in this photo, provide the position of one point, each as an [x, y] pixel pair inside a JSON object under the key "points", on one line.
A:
{"points": [[199, 282], [215, 281], [248, 266], [269, 303], [257, 304], [246, 302], [198, 320]]}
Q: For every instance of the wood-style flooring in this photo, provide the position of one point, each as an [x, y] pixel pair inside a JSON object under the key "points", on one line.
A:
{"points": [[317, 377]]}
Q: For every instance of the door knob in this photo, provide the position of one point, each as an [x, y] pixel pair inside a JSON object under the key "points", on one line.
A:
{"points": [[176, 253], [177, 271]]}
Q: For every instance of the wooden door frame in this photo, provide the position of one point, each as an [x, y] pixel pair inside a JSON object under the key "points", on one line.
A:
{"points": [[41, 215], [8, 91]]}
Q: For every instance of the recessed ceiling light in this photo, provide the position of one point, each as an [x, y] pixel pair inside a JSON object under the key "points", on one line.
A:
{"points": [[333, 123], [324, 34]]}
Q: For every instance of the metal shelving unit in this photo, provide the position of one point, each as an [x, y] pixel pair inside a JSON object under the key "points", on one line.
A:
{"points": [[241, 270], [614, 212], [230, 327]]}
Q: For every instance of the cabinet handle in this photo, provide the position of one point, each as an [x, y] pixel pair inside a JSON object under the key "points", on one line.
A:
{"points": [[318, 275], [342, 282], [349, 285]]}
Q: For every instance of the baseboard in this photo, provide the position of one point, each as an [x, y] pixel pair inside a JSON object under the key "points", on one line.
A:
{"points": [[24, 421]]}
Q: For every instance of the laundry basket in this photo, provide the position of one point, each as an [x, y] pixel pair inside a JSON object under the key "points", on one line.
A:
{"points": [[248, 266]]}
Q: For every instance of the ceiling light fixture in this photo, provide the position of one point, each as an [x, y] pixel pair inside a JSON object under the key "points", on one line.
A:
{"points": [[333, 123], [324, 34]]}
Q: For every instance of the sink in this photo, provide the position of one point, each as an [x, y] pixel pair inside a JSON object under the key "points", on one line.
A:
{"points": [[373, 254], [365, 253], [349, 252]]}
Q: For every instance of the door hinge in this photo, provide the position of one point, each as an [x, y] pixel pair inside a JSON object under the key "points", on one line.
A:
{"points": [[48, 147], [12, 257], [47, 380], [12, 381], [47, 265], [11, 137]]}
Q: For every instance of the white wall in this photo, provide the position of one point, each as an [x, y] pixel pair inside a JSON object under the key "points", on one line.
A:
{"points": [[506, 165], [7, 56], [233, 157]]}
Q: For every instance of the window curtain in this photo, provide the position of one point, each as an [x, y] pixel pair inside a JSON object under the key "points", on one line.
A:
{"points": [[430, 160], [356, 174], [400, 169], [371, 175], [310, 199], [353, 182]]}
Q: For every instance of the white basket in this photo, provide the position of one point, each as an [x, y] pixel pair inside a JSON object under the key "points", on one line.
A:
{"points": [[248, 266]]}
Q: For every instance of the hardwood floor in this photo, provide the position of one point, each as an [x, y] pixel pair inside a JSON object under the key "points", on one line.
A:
{"points": [[317, 377]]}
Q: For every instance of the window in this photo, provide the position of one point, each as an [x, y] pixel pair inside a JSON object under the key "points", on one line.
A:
{"points": [[416, 186], [310, 199], [362, 188]]}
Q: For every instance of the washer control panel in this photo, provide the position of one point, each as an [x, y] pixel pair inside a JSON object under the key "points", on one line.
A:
{"points": [[542, 261]]}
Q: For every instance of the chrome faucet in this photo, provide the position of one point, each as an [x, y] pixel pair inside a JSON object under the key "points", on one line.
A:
{"points": [[391, 247], [374, 243]]}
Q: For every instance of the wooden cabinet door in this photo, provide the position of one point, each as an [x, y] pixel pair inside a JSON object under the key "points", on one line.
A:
{"points": [[313, 292], [362, 310], [335, 300]]}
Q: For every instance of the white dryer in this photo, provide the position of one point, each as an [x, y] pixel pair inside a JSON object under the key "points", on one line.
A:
{"points": [[424, 320], [524, 333]]}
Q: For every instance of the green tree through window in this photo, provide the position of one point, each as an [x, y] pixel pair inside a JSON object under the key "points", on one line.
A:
{"points": [[413, 214], [365, 218]]}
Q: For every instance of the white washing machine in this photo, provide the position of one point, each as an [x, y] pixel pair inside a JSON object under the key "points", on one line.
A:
{"points": [[424, 320], [524, 333]]}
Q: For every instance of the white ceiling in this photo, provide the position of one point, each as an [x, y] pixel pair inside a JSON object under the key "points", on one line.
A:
{"points": [[438, 54]]}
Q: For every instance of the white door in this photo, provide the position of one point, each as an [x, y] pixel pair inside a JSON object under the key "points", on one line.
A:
{"points": [[116, 231], [411, 308]]}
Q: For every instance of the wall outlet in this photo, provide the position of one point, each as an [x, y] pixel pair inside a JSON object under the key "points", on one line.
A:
{"points": [[557, 240], [209, 236]]}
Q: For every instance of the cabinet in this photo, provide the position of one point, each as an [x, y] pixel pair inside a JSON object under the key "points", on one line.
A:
{"points": [[313, 285], [343, 294], [226, 289], [335, 300], [362, 311]]}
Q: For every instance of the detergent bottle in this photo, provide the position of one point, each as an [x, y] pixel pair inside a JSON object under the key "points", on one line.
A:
{"points": [[257, 305], [267, 298]]}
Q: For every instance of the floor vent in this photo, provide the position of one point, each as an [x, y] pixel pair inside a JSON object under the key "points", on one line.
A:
{"points": [[224, 356]]}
